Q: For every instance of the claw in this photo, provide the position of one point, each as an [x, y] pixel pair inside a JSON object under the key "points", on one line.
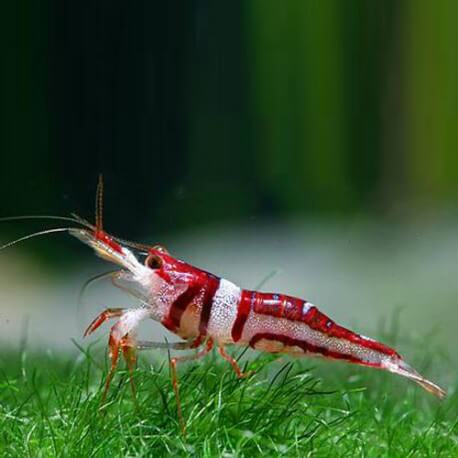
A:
{"points": [[100, 319]]}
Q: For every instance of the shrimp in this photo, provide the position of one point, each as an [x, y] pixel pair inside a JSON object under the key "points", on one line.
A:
{"points": [[205, 310]]}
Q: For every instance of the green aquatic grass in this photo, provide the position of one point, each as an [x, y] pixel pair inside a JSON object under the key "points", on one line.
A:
{"points": [[49, 406]]}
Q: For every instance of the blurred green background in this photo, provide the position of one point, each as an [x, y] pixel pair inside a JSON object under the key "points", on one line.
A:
{"points": [[202, 111], [317, 138]]}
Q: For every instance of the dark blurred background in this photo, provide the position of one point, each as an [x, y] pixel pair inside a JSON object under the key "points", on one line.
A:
{"points": [[205, 111], [205, 116]]}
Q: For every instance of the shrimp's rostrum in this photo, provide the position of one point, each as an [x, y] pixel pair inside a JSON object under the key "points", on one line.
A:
{"points": [[205, 310]]}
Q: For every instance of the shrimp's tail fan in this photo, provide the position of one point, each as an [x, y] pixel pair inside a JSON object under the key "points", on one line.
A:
{"points": [[402, 368]]}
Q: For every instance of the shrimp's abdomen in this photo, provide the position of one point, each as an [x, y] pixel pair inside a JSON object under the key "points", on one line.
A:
{"points": [[282, 323], [279, 323]]}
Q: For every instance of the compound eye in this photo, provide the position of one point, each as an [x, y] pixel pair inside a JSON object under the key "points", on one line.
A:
{"points": [[153, 262]]}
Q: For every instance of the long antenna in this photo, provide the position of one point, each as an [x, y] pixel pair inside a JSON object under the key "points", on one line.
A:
{"points": [[35, 234], [99, 205]]}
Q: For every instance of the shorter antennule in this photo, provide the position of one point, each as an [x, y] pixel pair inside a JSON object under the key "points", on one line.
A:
{"points": [[74, 219]]}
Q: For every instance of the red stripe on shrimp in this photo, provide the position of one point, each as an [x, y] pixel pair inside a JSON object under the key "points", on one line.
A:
{"points": [[320, 322], [294, 309], [207, 303], [247, 299], [178, 307]]}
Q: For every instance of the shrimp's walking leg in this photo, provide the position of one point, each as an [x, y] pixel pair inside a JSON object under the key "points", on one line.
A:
{"points": [[234, 364], [128, 350], [126, 342], [148, 345], [113, 353], [100, 319], [122, 337], [173, 367], [129, 345]]}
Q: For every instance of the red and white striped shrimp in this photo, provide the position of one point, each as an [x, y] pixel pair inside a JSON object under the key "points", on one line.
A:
{"points": [[206, 311]]}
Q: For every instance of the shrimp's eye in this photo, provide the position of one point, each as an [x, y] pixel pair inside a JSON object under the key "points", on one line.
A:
{"points": [[153, 262]]}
